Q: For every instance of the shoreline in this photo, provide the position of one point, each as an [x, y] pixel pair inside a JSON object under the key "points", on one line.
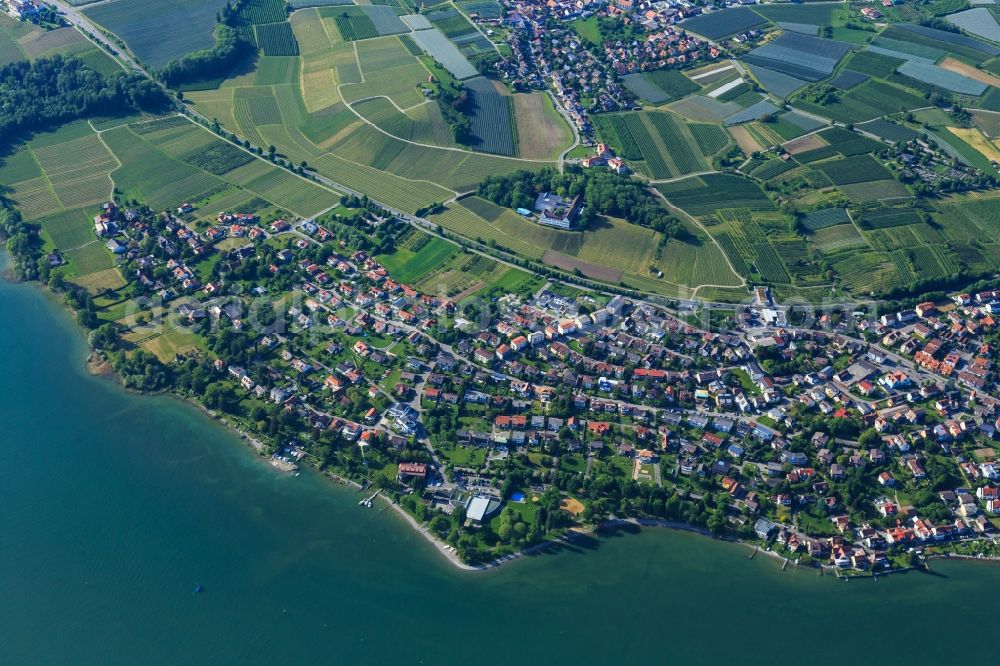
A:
{"points": [[96, 365]]}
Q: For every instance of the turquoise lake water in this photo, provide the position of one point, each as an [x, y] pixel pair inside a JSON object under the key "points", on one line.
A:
{"points": [[115, 506]]}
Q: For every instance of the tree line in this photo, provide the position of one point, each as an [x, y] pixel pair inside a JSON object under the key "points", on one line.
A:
{"points": [[211, 63]]}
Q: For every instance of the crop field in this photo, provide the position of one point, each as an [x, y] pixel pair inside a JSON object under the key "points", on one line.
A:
{"points": [[258, 12], [277, 39], [857, 169], [949, 42], [977, 21], [836, 238], [660, 86], [715, 25], [873, 64], [149, 175], [541, 132], [451, 22], [942, 78], [491, 121], [876, 190], [256, 107], [301, 4], [665, 144], [888, 130], [385, 20], [437, 46], [771, 169], [847, 79], [487, 9], [423, 123], [219, 157], [749, 248], [826, 217], [800, 56], [394, 191], [871, 99], [753, 112], [882, 218], [814, 14], [776, 82], [849, 143], [702, 195], [353, 24], [161, 31]]}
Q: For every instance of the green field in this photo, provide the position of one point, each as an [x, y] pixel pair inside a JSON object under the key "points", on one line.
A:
{"points": [[610, 246], [661, 144], [410, 265], [63, 175], [161, 31], [702, 195]]}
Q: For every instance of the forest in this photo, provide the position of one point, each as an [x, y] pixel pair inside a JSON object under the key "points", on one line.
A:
{"points": [[51, 91]]}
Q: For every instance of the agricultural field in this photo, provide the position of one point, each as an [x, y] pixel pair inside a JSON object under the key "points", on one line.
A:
{"points": [[867, 101], [800, 56], [487, 9], [25, 41], [162, 31], [219, 157], [437, 46], [701, 195], [759, 242], [716, 25], [276, 39], [542, 133], [491, 118], [612, 250], [661, 145], [354, 24], [660, 86], [385, 20]]}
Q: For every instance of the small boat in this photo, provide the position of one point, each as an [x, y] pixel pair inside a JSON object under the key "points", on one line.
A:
{"points": [[199, 588]]}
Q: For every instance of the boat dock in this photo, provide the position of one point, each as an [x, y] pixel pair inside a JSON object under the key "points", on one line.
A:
{"points": [[367, 502]]}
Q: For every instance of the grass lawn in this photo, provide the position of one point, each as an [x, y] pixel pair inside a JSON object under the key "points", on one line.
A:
{"points": [[464, 456], [572, 462], [409, 266]]}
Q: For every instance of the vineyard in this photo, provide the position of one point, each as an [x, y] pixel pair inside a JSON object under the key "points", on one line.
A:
{"points": [[258, 12], [826, 217], [857, 169], [888, 217], [277, 39], [701, 195], [668, 146], [219, 157], [354, 25], [491, 119]]}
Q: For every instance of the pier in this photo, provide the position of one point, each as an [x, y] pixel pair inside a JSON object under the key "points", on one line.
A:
{"points": [[367, 502]]}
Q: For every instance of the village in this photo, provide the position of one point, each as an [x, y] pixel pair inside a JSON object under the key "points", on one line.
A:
{"points": [[548, 50], [843, 441]]}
